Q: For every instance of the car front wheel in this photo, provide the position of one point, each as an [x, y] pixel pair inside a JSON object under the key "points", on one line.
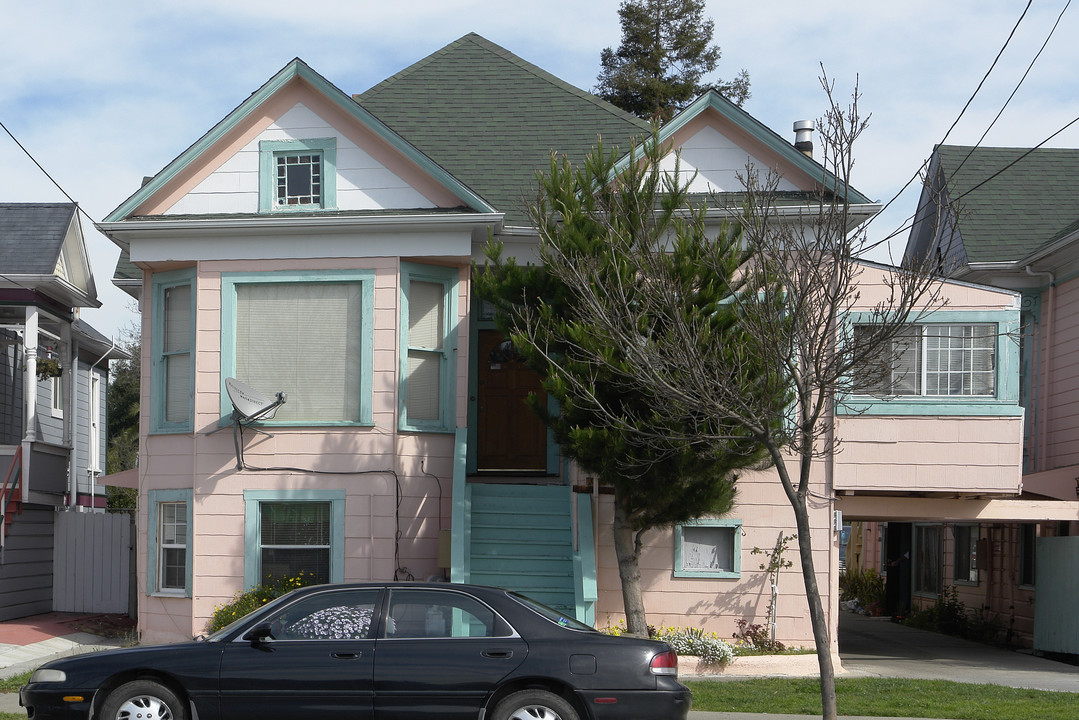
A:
{"points": [[143, 700], [534, 705]]}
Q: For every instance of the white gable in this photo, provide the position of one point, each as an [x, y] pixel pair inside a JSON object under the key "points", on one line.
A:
{"points": [[363, 183], [718, 163]]}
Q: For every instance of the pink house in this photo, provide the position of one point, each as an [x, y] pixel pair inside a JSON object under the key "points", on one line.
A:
{"points": [[321, 245]]}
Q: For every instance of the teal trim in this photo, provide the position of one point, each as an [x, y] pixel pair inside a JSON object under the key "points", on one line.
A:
{"points": [[1004, 404], [296, 69], [160, 283], [713, 100], [229, 282], [736, 541], [461, 515], [586, 589], [448, 278], [270, 149], [153, 553], [253, 528]]}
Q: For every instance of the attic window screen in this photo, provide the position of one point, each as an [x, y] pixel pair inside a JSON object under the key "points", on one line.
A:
{"points": [[302, 338], [295, 539], [176, 352], [299, 179], [707, 548], [426, 338]]}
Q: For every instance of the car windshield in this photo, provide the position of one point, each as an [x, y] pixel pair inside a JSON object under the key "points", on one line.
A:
{"points": [[551, 614], [219, 634]]}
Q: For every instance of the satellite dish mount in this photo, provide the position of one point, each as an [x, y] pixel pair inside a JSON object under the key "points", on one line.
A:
{"points": [[250, 406]]}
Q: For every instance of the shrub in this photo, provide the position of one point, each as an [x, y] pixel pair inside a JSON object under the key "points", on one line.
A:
{"points": [[246, 602], [866, 587], [697, 642], [757, 637]]}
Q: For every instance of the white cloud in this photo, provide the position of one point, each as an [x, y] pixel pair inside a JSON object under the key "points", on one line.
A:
{"points": [[122, 87]]}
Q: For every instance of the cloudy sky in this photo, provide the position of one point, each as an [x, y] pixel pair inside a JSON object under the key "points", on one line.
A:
{"points": [[104, 93]]}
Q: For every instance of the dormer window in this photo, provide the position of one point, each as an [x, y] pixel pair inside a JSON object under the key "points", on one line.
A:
{"points": [[297, 175]]}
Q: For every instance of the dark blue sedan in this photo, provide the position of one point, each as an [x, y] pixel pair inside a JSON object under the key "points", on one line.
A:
{"points": [[394, 650]]}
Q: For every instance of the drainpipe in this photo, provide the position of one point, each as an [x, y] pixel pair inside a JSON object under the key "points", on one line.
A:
{"points": [[1047, 367], [90, 424]]}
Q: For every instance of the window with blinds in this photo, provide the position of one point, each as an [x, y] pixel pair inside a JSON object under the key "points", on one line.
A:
{"points": [[936, 360], [173, 330], [295, 539], [305, 339]]}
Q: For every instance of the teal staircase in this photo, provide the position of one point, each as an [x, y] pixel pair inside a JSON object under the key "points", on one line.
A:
{"points": [[535, 539], [522, 539]]}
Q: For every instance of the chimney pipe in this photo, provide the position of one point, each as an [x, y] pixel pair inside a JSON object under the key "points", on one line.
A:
{"points": [[803, 137]]}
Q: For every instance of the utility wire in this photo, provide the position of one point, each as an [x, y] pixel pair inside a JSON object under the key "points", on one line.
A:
{"points": [[962, 112]]}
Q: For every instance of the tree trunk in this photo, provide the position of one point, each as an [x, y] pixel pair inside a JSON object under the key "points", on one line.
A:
{"points": [[629, 572]]}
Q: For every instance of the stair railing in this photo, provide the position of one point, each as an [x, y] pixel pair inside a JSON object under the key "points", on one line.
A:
{"points": [[10, 496]]}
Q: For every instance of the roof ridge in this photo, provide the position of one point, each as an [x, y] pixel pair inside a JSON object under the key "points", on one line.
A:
{"points": [[507, 55]]}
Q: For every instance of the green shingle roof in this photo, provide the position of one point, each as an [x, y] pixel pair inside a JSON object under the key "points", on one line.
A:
{"points": [[1033, 201], [492, 119]]}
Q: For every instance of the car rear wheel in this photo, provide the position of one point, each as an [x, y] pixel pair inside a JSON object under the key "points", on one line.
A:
{"points": [[143, 700], [534, 705]]}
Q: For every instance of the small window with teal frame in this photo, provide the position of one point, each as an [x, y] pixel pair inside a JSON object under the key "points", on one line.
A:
{"points": [[297, 175], [173, 352], [428, 348], [168, 562], [293, 532], [709, 548]]}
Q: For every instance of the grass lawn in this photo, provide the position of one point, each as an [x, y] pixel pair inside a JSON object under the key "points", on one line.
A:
{"points": [[884, 697]]}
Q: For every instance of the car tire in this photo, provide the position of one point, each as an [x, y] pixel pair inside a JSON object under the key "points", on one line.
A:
{"points": [[143, 700], [534, 705]]}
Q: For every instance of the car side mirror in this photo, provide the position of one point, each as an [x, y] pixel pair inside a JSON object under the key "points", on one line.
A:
{"points": [[261, 635]]}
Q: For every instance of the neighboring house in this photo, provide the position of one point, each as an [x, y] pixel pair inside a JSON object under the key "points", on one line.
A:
{"points": [[52, 386], [321, 245], [1008, 217]]}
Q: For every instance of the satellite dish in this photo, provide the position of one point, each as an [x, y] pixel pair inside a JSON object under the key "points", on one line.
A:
{"points": [[249, 404]]}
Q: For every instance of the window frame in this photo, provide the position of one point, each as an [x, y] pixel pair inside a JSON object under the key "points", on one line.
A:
{"points": [[974, 531], [916, 554], [162, 282], [253, 500], [365, 278], [734, 525], [153, 559], [1004, 403], [269, 150], [448, 278]]}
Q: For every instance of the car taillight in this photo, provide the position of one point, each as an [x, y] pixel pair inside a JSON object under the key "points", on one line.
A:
{"points": [[666, 663]]}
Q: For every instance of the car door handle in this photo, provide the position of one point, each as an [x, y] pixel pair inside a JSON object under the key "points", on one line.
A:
{"points": [[498, 653], [345, 655]]}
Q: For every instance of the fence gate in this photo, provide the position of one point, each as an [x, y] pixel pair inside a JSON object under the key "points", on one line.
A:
{"points": [[91, 562]]}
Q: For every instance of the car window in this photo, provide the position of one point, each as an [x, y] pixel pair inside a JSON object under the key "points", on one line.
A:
{"points": [[341, 615], [441, 614], [551, 614]]}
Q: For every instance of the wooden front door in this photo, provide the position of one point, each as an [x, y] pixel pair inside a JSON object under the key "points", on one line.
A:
{"points": [[509, 435]]}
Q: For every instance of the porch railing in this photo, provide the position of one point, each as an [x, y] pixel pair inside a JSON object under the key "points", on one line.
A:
{"points": [[10, 497]]}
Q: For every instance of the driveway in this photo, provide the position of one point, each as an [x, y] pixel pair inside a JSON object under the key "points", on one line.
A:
{"points": [[878, 647]]}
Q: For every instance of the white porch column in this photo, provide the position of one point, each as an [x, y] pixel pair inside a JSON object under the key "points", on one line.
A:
{"points": [[30, 342]]}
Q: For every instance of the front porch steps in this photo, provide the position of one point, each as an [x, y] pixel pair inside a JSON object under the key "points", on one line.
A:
{"points": [[522, 539]]}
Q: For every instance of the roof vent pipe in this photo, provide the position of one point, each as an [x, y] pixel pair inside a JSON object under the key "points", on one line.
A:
{"points": [[803, 137]]}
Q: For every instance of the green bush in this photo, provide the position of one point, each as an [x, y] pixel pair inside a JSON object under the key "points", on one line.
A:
{"points": [[247, 602], [864, 586], [950, 616]]}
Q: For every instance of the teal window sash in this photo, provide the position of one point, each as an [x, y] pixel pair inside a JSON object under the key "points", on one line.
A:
{"points": [[153, 556], [163, 416], [1006, 399], [444, 354], [253, 500], [270, 150], [365, 278], [731, 527]]}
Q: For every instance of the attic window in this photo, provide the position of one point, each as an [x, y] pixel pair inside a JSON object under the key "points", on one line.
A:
{"points": [[299, 179], [297, 175]]}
